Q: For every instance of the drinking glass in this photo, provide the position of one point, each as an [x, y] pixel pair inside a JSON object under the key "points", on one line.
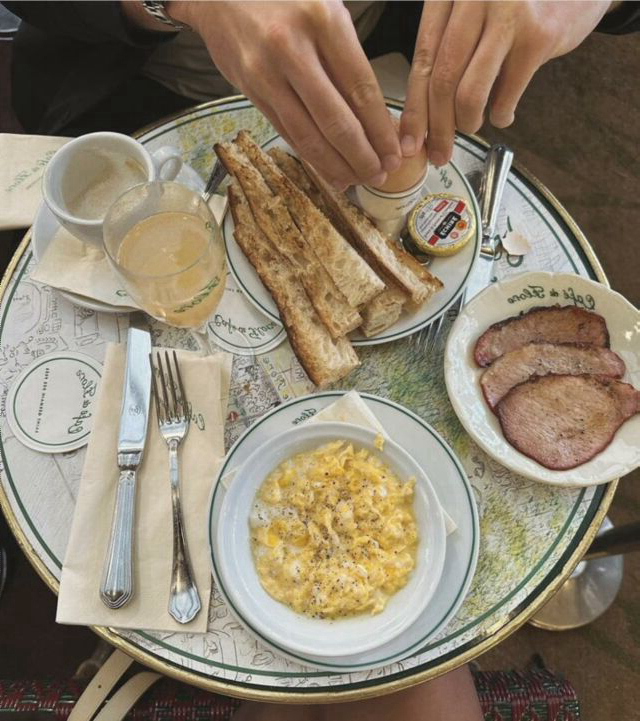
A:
{"points": [[166, 247]]}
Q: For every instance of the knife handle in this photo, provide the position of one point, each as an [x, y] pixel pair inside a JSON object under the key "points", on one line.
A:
{"points": [[117, 580], [494, 178]]}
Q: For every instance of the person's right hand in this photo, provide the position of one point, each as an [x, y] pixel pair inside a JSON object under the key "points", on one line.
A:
{"points": [[302, 65]]}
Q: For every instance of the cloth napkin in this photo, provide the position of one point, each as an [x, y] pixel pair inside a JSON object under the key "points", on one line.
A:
{"points": [[71, 265], [24, 158], [350, 408], [206, 381]]}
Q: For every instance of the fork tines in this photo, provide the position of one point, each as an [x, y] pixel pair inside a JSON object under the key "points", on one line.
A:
{"points": [[168, 389]]}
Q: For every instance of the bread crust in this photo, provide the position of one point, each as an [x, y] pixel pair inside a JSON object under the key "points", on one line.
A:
{"points": [[376, 248], [325, 360], [274, 220], [384, 309], [352, 275]]}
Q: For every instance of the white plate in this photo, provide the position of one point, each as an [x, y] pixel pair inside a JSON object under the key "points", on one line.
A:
{"points": [[45, 226], [452, 489], [509, 298], [278, 622], [453, 271]]}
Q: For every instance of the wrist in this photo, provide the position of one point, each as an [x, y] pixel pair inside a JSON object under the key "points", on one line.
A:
{"points": [[181, 11]]}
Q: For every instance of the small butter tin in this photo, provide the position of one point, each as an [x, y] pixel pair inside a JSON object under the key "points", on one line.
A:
{"points": [[441, 224]]}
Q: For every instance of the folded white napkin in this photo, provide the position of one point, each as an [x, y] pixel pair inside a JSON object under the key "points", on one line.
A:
{"points": [[71, 265], [24, 158], [206, 381], [350, 408]]}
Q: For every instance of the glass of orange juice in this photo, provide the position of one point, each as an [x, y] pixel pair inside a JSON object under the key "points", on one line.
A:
{"points": [[166, 247]]}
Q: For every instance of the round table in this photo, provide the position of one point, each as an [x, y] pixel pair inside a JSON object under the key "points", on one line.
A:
{"points": [[532, 535]]}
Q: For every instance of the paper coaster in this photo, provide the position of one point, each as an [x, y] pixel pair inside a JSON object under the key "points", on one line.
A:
{"points": [[50, 405], [239, 327]]}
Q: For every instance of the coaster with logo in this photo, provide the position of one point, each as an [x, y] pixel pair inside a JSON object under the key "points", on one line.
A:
{"points": [[50, 405], [239, 327]]}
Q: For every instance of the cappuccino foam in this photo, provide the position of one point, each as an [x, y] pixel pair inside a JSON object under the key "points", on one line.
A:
{"points": [[96, 178]]}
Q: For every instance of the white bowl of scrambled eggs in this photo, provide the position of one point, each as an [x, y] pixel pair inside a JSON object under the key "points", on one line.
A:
{"points": [[330, 540]]}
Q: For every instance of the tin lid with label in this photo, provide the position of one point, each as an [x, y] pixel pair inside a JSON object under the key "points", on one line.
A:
{"points": [[441, 224], [51, 404]]}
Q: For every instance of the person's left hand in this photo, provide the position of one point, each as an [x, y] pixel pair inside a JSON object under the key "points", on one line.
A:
{"points": [[470, 55]]}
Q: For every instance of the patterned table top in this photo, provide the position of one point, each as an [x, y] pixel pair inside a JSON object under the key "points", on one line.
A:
{"points": [[532, 535]]}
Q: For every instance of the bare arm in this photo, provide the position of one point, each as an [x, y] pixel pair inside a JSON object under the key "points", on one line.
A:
{"points": [[302, 65]]}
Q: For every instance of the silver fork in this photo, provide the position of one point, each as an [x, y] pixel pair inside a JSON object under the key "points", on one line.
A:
{"points": [[173, 420], [428, 338]]}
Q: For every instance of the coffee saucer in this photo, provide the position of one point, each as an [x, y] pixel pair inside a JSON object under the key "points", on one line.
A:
{"points": [[46, 225]]}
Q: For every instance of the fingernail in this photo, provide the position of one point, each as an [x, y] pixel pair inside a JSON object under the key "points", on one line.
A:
{"points": [[340, 185], [408, 145], [377, 179], [391, 163], [437, 158], [500, 119]]}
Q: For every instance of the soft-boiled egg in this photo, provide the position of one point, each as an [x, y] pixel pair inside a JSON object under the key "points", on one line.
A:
{"points": [[411, 170]]}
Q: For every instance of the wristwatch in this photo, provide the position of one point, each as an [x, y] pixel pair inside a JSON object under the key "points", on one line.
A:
{"points": [[156, 8]]}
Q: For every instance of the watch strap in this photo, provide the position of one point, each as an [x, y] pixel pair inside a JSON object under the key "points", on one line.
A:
{"points": [[156, 8]]}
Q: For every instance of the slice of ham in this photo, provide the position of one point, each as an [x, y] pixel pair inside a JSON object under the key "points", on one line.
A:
{"points": [[540, 359], [553, 324], [562, 421]]}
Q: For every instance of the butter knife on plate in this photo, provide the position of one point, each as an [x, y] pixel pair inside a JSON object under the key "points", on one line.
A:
{"points": [[117, 585]]}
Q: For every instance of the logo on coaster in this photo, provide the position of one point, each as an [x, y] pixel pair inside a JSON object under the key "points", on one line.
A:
{"points": [[51, 404], [239, 327]]}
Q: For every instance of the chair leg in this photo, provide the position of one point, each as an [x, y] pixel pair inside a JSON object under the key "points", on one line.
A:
{"points": [[89, 667]]}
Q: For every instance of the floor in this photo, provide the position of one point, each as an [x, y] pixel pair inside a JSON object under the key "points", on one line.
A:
{"points": [[577, 130]]}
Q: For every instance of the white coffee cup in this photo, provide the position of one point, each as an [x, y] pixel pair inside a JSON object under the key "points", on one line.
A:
{"points": [[87, 174], [389, 210]]}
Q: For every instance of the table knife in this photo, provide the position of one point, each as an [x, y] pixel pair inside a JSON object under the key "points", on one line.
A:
{"points": [[117, 581], [492, 184]]}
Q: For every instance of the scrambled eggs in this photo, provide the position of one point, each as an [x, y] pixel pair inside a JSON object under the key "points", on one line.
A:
{"points": [[333, 532]]}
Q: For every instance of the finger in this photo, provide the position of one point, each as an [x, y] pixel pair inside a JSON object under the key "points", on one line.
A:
{"points": [[351, 72], [270, 114], [478, 80], [307, 140], [336, 120], [517, 70], [456, 50], [414, 119], [282, 107]]}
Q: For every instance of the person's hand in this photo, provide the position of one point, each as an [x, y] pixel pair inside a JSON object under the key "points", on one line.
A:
{"points": [[470, 55], [302, 65]]}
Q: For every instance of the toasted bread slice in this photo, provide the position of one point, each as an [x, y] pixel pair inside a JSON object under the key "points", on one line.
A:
{"points": [[351, 274], [294, 170], [275, 221], [324, 359], [378, 249], [383, 311]]}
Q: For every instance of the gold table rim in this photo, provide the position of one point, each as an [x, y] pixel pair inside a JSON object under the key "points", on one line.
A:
{"points": [[236, 689]]}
